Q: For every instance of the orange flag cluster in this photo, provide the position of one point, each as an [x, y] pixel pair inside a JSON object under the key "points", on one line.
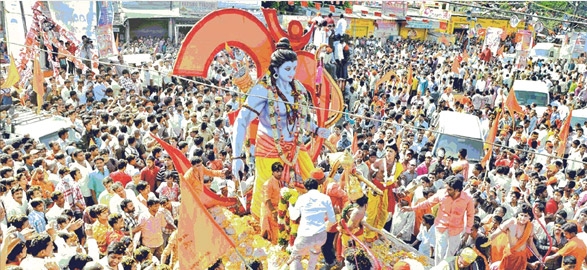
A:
{"points": [[563, 135]]}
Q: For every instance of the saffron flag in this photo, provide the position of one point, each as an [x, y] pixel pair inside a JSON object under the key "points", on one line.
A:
{"points": [[500, 51], [180, 161], [491, 139], [410, 75], [383, 79], [512, 104], [12, 77], [465, 56], [291, 3], [38, 83], [228, 50], [304, 3], [444, 40], [504, 34], [332, 9], [355, 145], [563, 135], [456, 64], [318, 6], [201, 241], [232, 116]]}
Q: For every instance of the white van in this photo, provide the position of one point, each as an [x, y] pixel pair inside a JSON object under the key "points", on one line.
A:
{"points": [[579, 117], [528, 92], [43, 128], [546, 51], [455, 131]]}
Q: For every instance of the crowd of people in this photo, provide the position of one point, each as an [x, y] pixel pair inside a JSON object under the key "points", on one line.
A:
{"points": [[80, 203]]}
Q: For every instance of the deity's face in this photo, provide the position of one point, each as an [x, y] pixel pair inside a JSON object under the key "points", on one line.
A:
{"points": [[287, 71]]}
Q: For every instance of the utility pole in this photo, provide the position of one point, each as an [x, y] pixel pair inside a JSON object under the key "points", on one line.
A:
{"points": [[23, 18], [576, 4]]}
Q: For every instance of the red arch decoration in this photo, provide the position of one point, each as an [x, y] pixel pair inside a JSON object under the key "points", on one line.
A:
{"points": [[230, 26]]}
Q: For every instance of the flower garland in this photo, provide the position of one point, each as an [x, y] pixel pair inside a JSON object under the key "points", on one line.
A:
{"points": [[275, 117], [389, 257], [288, 229]]}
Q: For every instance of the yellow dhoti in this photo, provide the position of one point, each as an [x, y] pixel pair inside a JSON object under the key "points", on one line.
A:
{"points": [[376, 214], [265, 155]]}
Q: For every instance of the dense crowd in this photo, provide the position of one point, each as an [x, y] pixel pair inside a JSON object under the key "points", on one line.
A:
{"points": [[79, 203]]}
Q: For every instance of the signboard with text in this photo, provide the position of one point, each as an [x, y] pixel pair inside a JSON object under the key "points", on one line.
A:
{"points": [[397, 8], [434, 13], [385, 29], [422, 24], [197, 8]]}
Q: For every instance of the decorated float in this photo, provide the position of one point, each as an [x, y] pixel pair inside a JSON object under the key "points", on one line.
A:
{"points": [[232, 31]]}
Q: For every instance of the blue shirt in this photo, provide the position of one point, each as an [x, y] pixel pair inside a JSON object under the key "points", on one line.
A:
{"points": [[37, 220], [95, 180], [99, 92]]}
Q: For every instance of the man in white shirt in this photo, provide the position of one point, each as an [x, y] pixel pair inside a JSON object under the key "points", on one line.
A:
{"points": [[85, 169], [341, 26], [312, 207], [59, 205], [402, 226]]}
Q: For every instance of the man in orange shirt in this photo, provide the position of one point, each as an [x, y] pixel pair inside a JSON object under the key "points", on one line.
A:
{"points": [[197, 172], [575, 246], [335, 136], [454, 204], [38, 179], [271, 193]]}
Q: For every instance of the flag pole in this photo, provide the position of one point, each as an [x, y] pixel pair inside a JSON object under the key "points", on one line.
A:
{"points": [[243, 259]]}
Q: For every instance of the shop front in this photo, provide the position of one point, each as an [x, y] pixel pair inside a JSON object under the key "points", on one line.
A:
{"points": [[418, 29], [459, 25]]}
